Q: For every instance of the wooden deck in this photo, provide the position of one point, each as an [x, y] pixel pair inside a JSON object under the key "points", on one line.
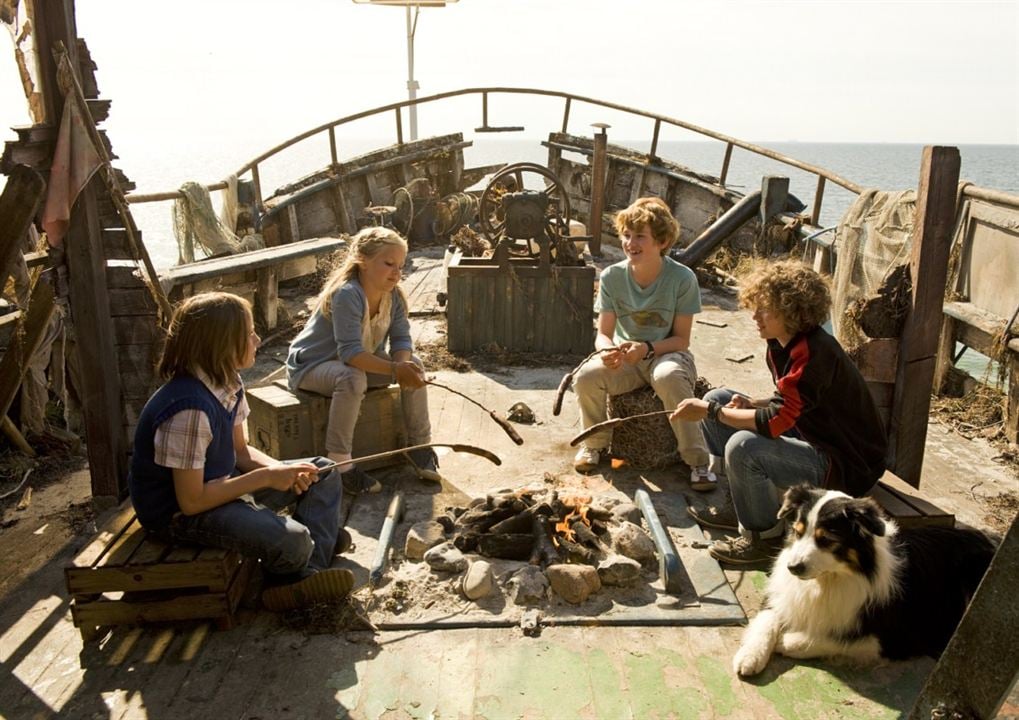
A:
{"points": [[262, 668]]}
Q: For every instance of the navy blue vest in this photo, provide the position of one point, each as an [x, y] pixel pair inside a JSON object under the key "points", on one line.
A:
{"points": [[151, 485]]}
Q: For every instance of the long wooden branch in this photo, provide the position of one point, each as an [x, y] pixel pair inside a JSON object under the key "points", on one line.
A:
{"points": [[608, 424], [567, 380], [481, 452], [499, 419]]}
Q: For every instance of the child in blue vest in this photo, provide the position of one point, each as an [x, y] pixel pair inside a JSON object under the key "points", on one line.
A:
{"points": [[194, 477]]}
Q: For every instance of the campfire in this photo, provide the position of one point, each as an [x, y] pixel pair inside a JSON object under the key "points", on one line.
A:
{"points": [[572, 543]]}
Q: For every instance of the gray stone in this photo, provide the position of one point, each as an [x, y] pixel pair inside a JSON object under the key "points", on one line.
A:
{"points": [[479, 580], [529, 586], [573, 583], [422, 537], [618, 570], [627, 512], [446, 558], [631, 540]]}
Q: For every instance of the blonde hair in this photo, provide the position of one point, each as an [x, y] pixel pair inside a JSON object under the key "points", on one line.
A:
{"points": [[208, 332], [789, 288], [653, 213], [368, 243]]}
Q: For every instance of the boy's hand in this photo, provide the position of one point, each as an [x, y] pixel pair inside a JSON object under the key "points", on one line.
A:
{"points": [[690, 410], [409, 375], [628, 352], [613, 358], [740, 402]]}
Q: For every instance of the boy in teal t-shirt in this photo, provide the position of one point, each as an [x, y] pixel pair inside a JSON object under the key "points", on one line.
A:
{"points": [[646, 305]]}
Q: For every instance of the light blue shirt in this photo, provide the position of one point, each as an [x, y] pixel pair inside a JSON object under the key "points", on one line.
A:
{"points": [[647, 313], [338, 337]]}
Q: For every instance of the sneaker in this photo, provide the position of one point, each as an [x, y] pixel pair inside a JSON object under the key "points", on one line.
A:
{"points": [[714, 516], [702, 479], [344, 542], [357, 481], [426, 462], [745, 550], [586, 459], [324, 586]]}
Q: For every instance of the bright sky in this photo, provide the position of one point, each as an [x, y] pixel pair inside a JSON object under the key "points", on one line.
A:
{"points": [[191, 75]]}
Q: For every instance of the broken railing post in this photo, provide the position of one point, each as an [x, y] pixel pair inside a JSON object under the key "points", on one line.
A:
{"points": [[601, 142]]}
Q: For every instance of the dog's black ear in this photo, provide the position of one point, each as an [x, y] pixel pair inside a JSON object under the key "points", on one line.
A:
{"points": [[867, 514], [795, 498]]}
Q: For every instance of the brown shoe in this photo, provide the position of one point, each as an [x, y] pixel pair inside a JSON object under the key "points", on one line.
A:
{"points": [[324, 586]]}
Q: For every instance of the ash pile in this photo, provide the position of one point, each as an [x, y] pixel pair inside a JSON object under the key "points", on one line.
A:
{"points": [[536, 547]]}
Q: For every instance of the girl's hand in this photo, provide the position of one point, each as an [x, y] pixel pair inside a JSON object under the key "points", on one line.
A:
{"points": [[690, 410], [409, 374], [295, 477]]}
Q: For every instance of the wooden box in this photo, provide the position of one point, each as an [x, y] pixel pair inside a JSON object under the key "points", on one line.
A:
{"points": [[125, 577], [519, 304], [288, 425]]}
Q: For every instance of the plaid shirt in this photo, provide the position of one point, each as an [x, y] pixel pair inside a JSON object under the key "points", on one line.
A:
{"points": [[182, 440]]}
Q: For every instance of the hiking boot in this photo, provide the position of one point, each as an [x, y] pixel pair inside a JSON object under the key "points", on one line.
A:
{"points": [[357, 481], [426, 462], [702, 479], [344, 542], [324, 586], [586, 459], [744, 550], [720, 517]]}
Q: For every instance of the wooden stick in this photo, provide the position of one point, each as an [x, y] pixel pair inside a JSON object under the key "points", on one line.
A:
{"points": [[502, 422], [567, 380], [401, 451], [606, 425]]}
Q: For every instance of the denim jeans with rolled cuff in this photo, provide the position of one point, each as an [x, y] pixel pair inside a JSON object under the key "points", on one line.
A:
{"points": [[290, 547], [761, 468]]}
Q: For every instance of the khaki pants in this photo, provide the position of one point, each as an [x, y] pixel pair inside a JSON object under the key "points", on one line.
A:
{"points": [[672, 376], [346, 386]]}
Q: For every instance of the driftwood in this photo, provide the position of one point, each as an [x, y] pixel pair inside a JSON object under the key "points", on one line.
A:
{"points": [[545, 552], [507, 546], [521, 522]]}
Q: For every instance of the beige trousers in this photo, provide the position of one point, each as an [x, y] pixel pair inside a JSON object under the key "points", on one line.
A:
{"points": [[672, 376]]}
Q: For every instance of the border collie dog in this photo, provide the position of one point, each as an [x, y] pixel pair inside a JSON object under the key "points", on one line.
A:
{"points": [[850, 583]]}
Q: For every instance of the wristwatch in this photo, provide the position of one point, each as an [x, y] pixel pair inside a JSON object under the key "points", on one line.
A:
{"points": [[650, 354]]}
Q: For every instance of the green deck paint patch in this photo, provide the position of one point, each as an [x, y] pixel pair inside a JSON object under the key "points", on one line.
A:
{"points": [[606, 686], [809, 693], [653, 695], [529, 682], [717, 679], [758, 578]]}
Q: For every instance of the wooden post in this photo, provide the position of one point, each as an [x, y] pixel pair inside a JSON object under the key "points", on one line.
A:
{"points": [[93, 328], [931, 243], [54, 22], [601, 140], [19, 202]]}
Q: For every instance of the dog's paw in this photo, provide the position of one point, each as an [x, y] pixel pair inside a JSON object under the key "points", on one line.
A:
{"points": [[750, 659], [794, 645]]}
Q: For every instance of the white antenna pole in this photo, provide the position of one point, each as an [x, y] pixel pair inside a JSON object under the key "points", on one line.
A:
{"points": [[412, 86]]}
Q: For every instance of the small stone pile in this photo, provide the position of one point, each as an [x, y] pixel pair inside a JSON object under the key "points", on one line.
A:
{"points": [[544, 545]]}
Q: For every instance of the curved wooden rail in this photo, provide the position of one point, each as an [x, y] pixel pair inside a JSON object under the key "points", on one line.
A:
{"points": [[251, 166]]}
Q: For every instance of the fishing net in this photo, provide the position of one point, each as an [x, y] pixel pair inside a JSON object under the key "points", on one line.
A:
{"points": [[195, 225], [648, 442], [872, 242]]}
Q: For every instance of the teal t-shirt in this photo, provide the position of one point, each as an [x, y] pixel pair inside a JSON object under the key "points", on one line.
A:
{"points": [[647, 313]]}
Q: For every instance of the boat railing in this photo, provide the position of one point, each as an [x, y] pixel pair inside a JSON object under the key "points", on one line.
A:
{"points": [[252, 166]]}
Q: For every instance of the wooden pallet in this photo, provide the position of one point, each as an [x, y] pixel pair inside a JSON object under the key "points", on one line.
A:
{"points": [[903, 502], [125, 576]]}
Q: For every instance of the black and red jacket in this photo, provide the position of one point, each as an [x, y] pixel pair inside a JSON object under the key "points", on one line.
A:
{"points": [[821, 394]]}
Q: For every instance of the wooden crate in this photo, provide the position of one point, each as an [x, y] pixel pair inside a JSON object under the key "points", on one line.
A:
{"points": [[288, 425], [520, 305], [127, 577]]}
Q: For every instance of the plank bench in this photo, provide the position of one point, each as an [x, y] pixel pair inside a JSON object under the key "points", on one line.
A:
{"points": [[903, 502], [269, 266], [125, 576]]}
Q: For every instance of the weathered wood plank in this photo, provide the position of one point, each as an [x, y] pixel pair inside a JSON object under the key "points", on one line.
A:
{"points": [[931, 244], [19, 203]]}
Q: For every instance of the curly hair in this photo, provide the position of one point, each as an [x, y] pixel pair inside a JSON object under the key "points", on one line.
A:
{"points": [[368, 243], [790, 289], [208, 332], [655, 214]]}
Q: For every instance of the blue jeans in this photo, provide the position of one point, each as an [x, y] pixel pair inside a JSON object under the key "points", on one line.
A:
{"points": [[289, 547], [758, 467]]}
